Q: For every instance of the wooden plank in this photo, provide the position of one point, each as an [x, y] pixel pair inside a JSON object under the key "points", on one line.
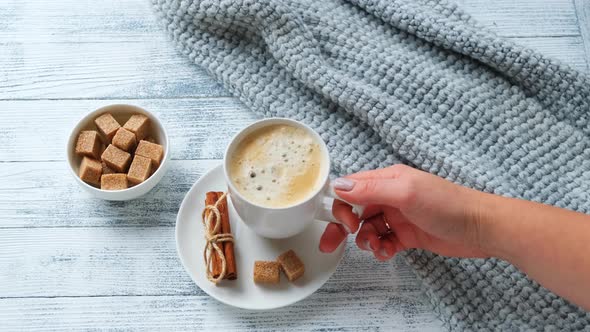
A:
{"points": [[45, 194], [91, 262], [524, 18], [197, 114], [75, 263], [569, 50], [72, 264], [100, 70], [83, 21], [122, 277], [78, 21], [583, 14], [145, 70], [149, 67], [198, 128], [369, 311], [105, 261]]}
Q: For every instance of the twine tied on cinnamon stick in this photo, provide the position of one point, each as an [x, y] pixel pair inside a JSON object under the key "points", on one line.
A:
{"points": [[219, 251]]}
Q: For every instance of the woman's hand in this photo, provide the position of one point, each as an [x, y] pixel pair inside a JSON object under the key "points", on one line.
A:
{"points": [[406, 208]]}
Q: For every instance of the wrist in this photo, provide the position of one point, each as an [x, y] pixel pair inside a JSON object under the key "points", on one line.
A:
{"points": [[482, 225], [498, 224]]}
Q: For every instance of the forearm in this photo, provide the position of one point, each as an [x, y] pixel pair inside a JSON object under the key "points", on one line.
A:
{"points": [[550, 244]]}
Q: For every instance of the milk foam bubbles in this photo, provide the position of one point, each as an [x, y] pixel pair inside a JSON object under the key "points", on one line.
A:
{"points": [[276, 166]]}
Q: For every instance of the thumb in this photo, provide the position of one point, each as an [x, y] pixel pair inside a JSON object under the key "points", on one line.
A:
{"points": [[392, 192]]}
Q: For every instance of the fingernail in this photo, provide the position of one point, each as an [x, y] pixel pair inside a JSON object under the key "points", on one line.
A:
{"points": [[383, 253], [343, 184], [371, 246]]}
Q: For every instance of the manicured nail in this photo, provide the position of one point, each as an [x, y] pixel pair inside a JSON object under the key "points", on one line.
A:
{"points": [[343, 184]]}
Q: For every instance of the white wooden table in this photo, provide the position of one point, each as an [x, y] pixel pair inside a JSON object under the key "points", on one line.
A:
{"points": [[68, 261]]}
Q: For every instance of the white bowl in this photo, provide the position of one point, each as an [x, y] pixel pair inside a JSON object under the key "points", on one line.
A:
{"points": [[121, 112]]}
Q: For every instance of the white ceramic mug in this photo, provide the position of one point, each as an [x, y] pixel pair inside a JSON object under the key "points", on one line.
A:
{"points": [[288, 221]]}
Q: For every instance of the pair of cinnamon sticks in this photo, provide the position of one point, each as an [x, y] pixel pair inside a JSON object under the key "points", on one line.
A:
{"points": [[228, 247]]}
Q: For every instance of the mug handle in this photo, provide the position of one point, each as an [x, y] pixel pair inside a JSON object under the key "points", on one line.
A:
{"points": [[325, 212]]}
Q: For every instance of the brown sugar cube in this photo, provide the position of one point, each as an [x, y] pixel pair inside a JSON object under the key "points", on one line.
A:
{"points": [[291, 265], [107, 126], [106, 169], [151, 150], [115, 181], [90, 171], [266, 272], [116, 159], [138, 124], [89, 144], [124, 140], [140, 169], [151, 140]]}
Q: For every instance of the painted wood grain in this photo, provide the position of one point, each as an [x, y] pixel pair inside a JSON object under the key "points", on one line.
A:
{"points": [[521, 18], [102, 261], [45, 194], [198, 128], [99, 262], [82, 66], [387, 311], [83, 21], [568, 50], [582, 8], [190, 121], [146, 69], [70, 261]]}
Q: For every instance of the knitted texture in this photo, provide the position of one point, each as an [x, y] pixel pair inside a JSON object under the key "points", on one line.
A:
{"points": [[417, 82]]}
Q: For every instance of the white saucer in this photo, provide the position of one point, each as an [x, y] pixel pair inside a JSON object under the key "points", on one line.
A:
{"points": [[249, 247]]}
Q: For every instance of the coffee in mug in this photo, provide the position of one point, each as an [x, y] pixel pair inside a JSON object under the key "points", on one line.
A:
{"points": [[277, 166], [277, 177]]}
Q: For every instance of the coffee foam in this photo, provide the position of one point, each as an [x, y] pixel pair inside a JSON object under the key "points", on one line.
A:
{"points": [[276, 166]]}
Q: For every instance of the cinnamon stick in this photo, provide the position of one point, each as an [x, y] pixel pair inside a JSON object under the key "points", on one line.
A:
{"points": [[211, 199], [228, 247]]}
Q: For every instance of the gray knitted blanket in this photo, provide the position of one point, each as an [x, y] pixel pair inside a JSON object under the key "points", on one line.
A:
{"points": [[417, 82]]}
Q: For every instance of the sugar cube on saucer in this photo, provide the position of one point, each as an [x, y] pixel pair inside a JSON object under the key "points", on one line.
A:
{"points": [[266, 272], [291, 265]]}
